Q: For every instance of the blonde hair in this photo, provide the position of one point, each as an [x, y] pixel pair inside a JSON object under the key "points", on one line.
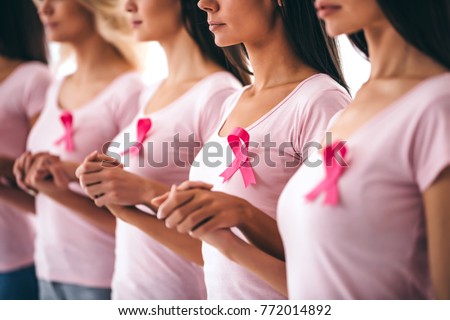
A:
{"points": [[114, 27]]}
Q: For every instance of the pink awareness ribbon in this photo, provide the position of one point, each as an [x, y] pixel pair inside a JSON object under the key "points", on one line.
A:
{"points": [[241, 162], [143, 127], [333, 170], [67, 121]]}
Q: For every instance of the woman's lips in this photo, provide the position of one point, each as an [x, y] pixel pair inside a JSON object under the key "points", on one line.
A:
{"points": [[136, 23], [326, 9], [51, 25], [214, 26]]}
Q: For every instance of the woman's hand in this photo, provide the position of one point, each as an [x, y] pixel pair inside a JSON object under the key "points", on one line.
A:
{"points": [[193, 208], [30, 169], [186, 185], [201, 211], [104, 181], [40, 170], [20, 169]]}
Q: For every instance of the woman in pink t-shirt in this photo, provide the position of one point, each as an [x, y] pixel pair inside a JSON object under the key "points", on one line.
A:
{"points": [[177, 115], [298, 88], [75, 239], [24, 78], [370, 220]]}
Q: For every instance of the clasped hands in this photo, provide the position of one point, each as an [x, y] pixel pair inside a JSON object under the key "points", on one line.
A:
{"points": [[190, 208]]}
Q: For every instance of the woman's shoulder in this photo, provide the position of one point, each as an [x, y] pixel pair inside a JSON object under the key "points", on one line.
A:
{"points": [[32, 72], [218, 81], [320, 83]]}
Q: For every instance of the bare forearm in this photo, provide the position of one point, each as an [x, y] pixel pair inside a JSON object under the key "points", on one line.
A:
{"points": [[71, 168], [84, 207], [437, 213], [153, 189], [269, 269], [6, 167], [183, 245], [17, 198], [262, 231]]}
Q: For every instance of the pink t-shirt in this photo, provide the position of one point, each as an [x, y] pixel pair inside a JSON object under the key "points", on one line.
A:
{"points": [[146, 269], [300, 118], [69, 249], [22, 96], [372, 244]]}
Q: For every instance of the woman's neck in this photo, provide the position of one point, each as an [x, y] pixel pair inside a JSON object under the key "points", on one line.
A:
{"points": [[392, 57], [274, 61], [185, 60], [97, 60]]}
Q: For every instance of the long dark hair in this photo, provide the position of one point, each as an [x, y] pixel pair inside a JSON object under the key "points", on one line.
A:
{"points": [[421, 23], [196, 23], [307, 37], [21, 32]]}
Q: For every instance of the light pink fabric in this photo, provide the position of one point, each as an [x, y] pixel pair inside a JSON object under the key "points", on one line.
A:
{"points": [[302, 117], [145, 269], [372, 244], [22, 96], [68, 248]]}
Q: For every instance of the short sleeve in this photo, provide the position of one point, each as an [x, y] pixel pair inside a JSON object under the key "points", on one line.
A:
{"points": [[431, 143], [333, 120], [127, 104], [316, 115], [36, 90]]}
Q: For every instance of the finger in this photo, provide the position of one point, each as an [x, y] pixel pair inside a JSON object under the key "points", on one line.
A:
{"points": [[195, 219], [17, 167], [41, 174], [106, 158], [186, 185], [18, 171], [108, 165], [42, 163], [20, 174], [102, 158], [95, 191], [175, 199], [158, 201], [87, 168], [182, 212], [38, 171], [31, 163], [103, 200], [28, 161], [92, 157], [59, 176], [32, 192], [22, 185], [209, 225], [90, 179]]}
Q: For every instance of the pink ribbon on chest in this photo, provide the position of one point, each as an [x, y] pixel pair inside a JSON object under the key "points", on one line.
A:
{"points": [[333, 171], [67, 121], [143, 127], [241, 162]]}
